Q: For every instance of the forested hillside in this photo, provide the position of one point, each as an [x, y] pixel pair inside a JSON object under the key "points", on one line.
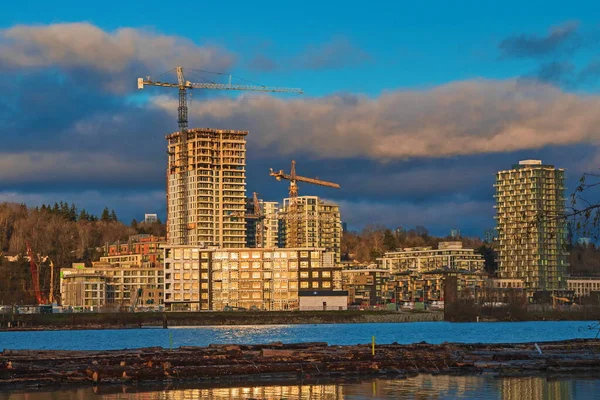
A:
{"points": [[61, 233]]}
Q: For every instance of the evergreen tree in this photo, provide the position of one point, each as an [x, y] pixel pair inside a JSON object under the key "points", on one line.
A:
{"points": [[113, 216], [389, 241], [134, 224], [105, 217], [73, 213], [83, 215], [55, 209]]}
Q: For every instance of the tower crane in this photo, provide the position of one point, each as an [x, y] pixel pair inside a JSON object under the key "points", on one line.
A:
{"points": [[35, 276], [182, 120], [259, 217], [293, 217]]}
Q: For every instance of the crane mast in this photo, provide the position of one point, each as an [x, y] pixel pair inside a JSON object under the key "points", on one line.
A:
{"points": [[293, 238], [182, 119]]}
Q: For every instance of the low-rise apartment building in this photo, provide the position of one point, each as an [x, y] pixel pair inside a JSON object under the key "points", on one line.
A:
{"points": [[124, 286], [146, 249], [584, 285], [85, 290], [410, 286], [365, 286], [448, 255], [251, 278]]}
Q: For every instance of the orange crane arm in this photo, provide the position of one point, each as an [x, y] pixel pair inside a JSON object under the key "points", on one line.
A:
{"points": [[281, 175]]}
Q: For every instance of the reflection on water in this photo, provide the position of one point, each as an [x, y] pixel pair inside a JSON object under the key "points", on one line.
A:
{"points": [[419, 387]]}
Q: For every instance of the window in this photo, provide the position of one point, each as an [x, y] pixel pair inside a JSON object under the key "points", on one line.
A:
{"points": [[315, 274], [315, 285], [303, 274], [304, 285]]}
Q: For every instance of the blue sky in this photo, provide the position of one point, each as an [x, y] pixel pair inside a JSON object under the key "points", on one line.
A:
{"points": [[410, 107]]}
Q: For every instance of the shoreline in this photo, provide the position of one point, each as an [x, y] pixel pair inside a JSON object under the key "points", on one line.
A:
{"points": [[295, 362]]}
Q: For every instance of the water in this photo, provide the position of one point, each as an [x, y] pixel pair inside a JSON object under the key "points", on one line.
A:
{"points": [[420, 387], [430, 332]]}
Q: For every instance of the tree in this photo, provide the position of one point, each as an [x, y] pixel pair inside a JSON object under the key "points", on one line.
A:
{"points": [[113, 216], [83, 215], [389, 241], [105, 217], [489, 255], [134, 224]]}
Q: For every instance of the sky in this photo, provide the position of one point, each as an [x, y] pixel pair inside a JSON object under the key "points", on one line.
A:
{"points": [[411, 108]]}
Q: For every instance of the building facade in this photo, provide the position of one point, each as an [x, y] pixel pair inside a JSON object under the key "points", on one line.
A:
{"points": [[583, 286], [249, 278], [141, 250], [448, 255], [124, 285], [365, 286], [206, 190], [85, 290], [429, 286], [319, 224], [530, 206]]}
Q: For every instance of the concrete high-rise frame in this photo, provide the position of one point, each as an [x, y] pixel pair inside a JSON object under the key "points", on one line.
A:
{"points": [[530, 209], [319, 224], [216, 188]]}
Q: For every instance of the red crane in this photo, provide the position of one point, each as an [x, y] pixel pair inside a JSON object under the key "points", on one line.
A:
{"points": [[35, 276]]}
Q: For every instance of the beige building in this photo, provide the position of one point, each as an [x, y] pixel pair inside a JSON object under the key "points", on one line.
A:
{"points": [[448, 255], [271, 222], [530, 204], [250, 278], [125, 284], [85, 290], [206, 206], [583, 286], [319, 224]]}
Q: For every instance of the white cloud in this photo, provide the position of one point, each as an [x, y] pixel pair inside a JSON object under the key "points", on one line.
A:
{"points": [[461, 118]]}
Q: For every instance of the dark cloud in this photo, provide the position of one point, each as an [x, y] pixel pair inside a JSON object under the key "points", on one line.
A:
{"points": [[559, 39], [556, 72], [337, 53], [262, 63]]}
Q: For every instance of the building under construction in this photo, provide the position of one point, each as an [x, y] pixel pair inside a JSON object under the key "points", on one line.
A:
{"points": [[317, 224], [206, 188]]}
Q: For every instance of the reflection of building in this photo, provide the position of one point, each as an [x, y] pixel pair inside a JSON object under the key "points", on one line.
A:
{"points": [[365, 286], [530, 204], [449, 255], [535, 388], [319, 224], [209, 208], [264, 279]]}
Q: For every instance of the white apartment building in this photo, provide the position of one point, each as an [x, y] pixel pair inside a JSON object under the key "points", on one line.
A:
{"points": [[249, 278], [206, 201], [318, 224], [120, 287], [530, 204], [448, 255], [583, 286]]}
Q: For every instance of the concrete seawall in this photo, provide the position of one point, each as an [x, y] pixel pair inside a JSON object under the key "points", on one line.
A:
{"points": [[134, 320]]}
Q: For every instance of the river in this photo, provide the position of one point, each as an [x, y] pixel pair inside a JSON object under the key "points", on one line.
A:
{"points": [[420, 387], [404, 333]]}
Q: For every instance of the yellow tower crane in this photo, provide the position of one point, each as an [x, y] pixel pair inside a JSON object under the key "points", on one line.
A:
{"points": [[182, 113], [293, 238]]}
